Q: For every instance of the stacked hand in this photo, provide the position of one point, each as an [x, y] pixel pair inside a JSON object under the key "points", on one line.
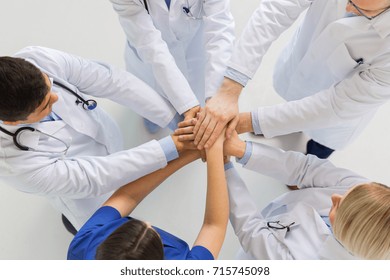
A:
{"points": [[220, 112], [232, 146]]}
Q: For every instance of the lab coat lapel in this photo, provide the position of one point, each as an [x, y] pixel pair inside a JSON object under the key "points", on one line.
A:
{"points": [[74, 115], [333, 250], [382, 24], [337, 33]]}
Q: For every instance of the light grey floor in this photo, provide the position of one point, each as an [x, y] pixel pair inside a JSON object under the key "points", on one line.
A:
{"points": [[32, 229]]}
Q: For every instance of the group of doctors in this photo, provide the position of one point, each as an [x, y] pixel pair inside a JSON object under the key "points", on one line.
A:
{"points": [[182, 64]]}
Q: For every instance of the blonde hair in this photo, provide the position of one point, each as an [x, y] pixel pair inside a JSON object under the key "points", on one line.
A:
{"points": [[362, 222]]}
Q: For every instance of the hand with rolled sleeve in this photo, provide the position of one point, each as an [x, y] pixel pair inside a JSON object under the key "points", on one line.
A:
{"points": [[220, 111], [185, 134]]}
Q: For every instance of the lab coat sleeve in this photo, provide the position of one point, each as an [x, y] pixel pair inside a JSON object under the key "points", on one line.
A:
{"points": [[362, 93], [267, 23], [218, 38], [248, 223], [294, 168], [104, 81], [81, 176], [142, 35]]}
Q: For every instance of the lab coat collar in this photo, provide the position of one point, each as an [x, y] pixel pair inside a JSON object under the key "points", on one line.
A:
{"points": [[49, 127], [382, 24]]}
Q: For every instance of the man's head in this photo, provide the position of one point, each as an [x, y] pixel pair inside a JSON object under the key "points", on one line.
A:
{"points": [[368, 8], [25, 92]]}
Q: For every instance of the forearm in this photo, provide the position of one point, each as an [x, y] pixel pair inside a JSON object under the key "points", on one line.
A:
{"points": [[245, 123], [266, 24], [218, 42], [146, 39], [294, 168], [130, 195], [347, 101], [83, 176], [213, 231], [216, 212], [230, 88]]}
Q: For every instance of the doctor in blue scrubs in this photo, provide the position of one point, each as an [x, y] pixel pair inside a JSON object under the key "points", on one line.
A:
{"points": [[111, 234]]}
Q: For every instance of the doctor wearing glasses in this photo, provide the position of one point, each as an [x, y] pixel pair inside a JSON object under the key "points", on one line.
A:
{"points": [[178, 47], [334, 72], [57, 142], [336, 214]]}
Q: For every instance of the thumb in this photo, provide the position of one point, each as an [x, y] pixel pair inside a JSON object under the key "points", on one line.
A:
{"points": [[232, 126]]}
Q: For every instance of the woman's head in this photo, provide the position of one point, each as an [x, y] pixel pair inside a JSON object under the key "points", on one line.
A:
{"points": [[361, 220], [134, 240]]}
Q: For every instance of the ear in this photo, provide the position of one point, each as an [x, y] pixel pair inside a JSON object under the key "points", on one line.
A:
{"points": [[12, 123]]}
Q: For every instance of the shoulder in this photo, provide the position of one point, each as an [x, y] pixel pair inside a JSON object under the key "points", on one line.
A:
{"points": [[129, 7], [102, 223], [199, 253], [177, 249], [47, 59], [37, 52]]}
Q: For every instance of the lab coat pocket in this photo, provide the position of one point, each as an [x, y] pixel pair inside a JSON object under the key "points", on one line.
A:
{"points": [[282, 225], [193, 8], [341, 64]]}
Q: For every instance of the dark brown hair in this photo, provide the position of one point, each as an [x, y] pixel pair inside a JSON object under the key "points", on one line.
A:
{"points": [[134, 240], [22, 88]]}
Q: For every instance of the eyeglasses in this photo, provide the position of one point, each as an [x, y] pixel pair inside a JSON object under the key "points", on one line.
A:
{"points": [[363, 14], [278, 225]]}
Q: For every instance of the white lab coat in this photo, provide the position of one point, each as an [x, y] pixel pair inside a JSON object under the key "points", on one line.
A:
{"points": [[184, 59], [309, 237], [78, 183], [335, 96]]}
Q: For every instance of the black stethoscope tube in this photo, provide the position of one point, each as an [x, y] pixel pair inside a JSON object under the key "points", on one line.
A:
{"points": [[89, 104], [15, 136]]}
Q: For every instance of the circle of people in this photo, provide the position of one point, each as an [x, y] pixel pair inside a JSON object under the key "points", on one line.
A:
{"points": [[185, 72]]}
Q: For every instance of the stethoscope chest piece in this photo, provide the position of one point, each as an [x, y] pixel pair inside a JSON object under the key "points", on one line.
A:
{"points": [[88, 105]]}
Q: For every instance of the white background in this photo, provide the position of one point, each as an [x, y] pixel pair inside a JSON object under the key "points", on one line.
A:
{"points": [[32, 229]]}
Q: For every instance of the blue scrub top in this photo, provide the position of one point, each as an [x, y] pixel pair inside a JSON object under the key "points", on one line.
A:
{"points": [[107, 219]]}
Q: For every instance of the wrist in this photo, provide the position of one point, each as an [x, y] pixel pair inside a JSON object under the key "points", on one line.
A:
{"points": [[178, 144], [237, 149], [245, 123], [231, 87], [240, 149]]}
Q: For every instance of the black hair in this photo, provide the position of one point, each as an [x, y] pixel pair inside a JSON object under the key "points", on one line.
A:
{"points": [[134, 240], [22, 88]]}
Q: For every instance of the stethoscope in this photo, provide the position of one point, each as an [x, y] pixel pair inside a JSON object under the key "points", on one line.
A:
{"points": [[185, 8], [17, 135], [88, 105]]}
